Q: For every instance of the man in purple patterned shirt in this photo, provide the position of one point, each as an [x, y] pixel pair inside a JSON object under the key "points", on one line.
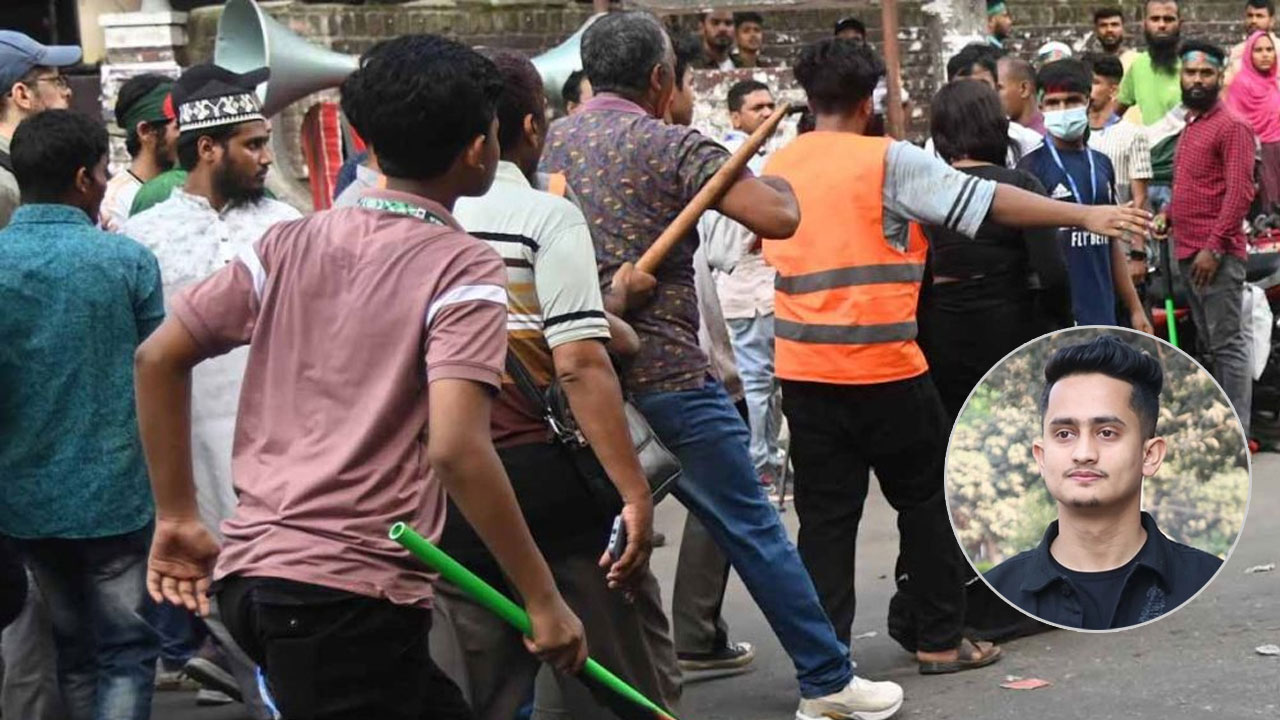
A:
{"points": [[633, 174]]}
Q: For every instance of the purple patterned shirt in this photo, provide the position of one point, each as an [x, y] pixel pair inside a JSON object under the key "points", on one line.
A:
{"points": [[633, 174]]}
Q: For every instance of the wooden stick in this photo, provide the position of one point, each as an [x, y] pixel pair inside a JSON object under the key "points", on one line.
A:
{"points": [[710, 194], [895, 123]]}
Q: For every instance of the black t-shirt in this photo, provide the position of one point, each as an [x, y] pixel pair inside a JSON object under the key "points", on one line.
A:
{"points": [[1099, 592], [1000, 262]]}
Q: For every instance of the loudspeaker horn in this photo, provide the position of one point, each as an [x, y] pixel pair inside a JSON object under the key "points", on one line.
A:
{"points": [[556, 64], [248, 39]]}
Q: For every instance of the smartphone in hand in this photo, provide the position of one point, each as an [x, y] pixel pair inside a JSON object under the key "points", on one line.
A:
{"points": [[617, 539]]}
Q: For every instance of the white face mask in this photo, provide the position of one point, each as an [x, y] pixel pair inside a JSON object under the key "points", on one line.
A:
{"points": [[1067, 125]]}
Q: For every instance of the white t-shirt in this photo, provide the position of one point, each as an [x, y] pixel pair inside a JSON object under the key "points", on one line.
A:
{"points": [[118, 200]]}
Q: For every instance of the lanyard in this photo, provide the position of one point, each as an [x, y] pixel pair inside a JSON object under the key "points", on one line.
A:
{"points": [[399, 207], [1093, 175]]}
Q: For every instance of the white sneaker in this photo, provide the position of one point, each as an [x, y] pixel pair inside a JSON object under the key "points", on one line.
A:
{"points": [[861, 699]]}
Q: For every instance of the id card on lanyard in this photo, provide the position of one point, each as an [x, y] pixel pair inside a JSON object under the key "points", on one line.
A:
{"points": [[1075, 190], [399, 207]]}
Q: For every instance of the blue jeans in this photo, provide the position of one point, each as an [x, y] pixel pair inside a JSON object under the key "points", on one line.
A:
{"points": [[1158, 197], [719, 486], [753, 349], [181, 633], [96, 592]]}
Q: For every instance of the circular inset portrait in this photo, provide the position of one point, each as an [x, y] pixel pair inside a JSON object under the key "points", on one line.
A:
{"points": [[1097, 478]]}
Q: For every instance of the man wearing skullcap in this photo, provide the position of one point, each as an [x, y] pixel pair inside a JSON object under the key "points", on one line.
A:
{"points": [[207, 222], [145, 114]]}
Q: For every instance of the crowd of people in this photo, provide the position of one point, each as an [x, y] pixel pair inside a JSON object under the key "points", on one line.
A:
{"points": [[214, 406]]}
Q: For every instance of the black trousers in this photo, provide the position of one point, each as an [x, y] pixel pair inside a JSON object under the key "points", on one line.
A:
{"points": [[333, 655], [13, 584], [839, 434]]}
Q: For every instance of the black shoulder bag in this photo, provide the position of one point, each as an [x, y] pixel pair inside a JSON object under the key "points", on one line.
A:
{"points": [[660, 465]]}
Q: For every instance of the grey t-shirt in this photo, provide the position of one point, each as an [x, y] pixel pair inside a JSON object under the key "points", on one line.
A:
{"points": [[920, 187]]}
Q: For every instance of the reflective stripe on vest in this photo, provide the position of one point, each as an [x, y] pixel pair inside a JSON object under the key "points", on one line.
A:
{"points": [[846, 298], [844, 334], [848, 276]]}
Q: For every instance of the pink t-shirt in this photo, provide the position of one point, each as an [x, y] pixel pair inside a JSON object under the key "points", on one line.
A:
{"points": [[349, 314]]}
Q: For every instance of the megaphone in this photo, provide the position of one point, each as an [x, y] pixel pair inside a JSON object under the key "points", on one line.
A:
{"points": [[557, 64], [248, 39]]}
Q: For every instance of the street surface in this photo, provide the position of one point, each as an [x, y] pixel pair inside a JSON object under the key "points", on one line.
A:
{"points": [[1199, 662]]}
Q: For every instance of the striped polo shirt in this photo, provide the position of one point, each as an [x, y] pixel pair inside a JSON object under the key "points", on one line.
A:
{"points": [[553, 290]]}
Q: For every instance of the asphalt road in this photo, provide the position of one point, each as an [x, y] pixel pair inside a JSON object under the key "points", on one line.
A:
{"points": [[1198, 663]]}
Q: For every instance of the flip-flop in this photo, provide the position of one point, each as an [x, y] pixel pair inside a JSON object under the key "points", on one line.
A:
{"points": [[970, 658]]}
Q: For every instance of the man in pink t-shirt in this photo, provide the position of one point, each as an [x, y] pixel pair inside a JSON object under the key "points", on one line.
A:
{"points": [[376, 342]]}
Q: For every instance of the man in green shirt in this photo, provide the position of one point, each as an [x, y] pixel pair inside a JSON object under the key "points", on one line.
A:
{"points": [[1152, 82]]}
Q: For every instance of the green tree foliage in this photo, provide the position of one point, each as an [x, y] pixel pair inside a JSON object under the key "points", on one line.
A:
{"points": [[998, 501]]}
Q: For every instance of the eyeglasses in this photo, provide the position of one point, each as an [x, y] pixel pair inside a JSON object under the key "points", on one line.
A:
{"points": [[58, 81]]}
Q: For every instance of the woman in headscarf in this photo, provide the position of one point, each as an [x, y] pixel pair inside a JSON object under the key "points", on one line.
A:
{"points": [[1254, 96]]}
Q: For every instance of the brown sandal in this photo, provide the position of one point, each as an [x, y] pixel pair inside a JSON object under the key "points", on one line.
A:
{"points": [[972, 656]]}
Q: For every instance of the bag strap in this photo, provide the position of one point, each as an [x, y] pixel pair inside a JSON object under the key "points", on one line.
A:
{"points": [[565, 432], [525, 384]]}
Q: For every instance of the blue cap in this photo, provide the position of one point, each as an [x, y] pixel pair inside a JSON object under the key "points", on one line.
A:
{"points": [[19, 53]]}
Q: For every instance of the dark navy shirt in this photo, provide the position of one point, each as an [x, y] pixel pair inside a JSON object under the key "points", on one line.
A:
{"points": [[1093, 296], [1162, 576]]}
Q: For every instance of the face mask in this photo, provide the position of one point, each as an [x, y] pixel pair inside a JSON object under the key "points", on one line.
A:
{"points": [[1067, 125]]}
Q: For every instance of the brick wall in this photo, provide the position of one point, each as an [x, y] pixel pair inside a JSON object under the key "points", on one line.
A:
{"points": [[535, 27]]}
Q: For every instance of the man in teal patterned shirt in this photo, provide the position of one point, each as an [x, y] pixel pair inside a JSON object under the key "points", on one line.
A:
{"points": [[74, 494]]}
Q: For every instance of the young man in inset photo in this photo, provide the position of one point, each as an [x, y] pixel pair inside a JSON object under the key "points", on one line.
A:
{"points": [[1103, 564]]}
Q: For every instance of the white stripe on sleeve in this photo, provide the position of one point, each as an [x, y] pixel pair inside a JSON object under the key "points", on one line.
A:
{"points": [[253, 263], [467, 293]]}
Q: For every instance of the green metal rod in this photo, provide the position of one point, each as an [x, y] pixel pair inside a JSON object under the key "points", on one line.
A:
{"points": [[1170, 321], [500, 605]]}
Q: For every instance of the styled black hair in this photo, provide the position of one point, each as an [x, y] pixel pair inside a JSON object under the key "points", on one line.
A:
{"points": [[1109, 355], [748, 16], [838, 74], [1205, 47], [572, 90], [968, 121], [1267, 5], [688, 48], [982, 55], [850, 23], [620, 50], [188, 148], [1065, 75], [420, 100], [1106, 13], [740, 90], [522, 95], [49, 148], [1108, 66], [130, 92]]}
